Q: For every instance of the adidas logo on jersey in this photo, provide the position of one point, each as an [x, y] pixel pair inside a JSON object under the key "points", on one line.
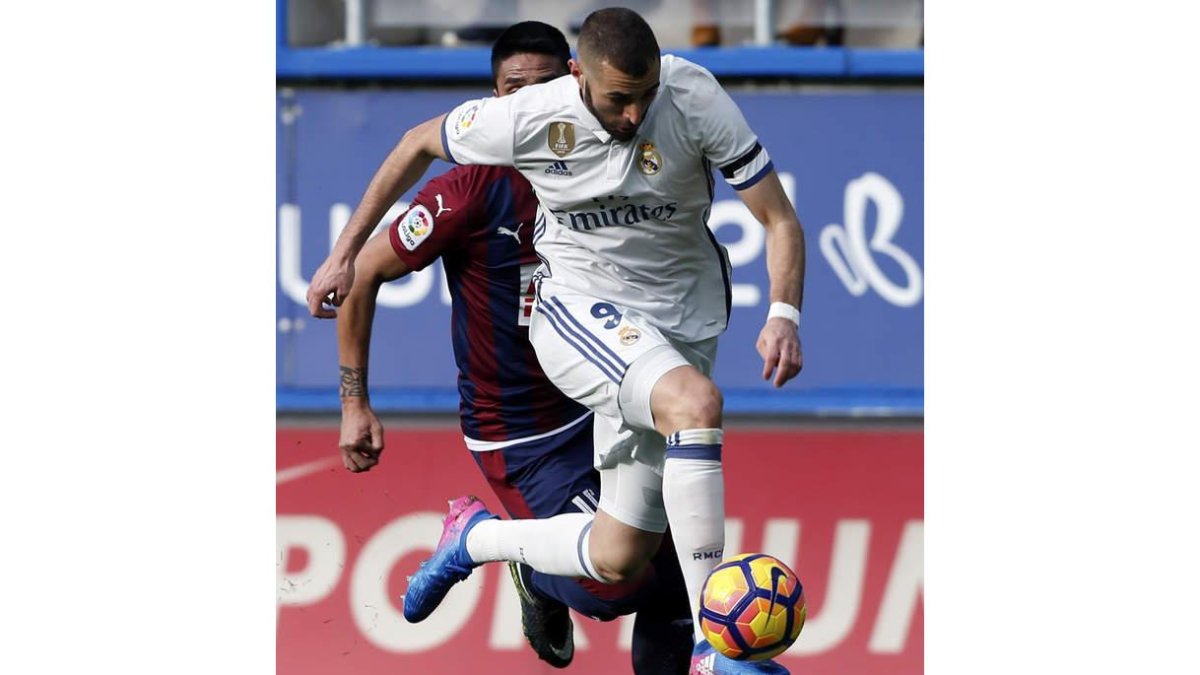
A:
{"points": [[559, 168], [706, 665]]}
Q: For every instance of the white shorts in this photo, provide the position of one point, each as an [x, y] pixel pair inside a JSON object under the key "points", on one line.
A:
{"points": [[609, 358]]}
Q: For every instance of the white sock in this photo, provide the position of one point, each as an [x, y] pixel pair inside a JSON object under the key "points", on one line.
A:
{"points": [[557, 545], [694, 496]]}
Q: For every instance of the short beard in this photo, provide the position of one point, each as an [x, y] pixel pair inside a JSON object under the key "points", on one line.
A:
{"points": [[587, 103]]}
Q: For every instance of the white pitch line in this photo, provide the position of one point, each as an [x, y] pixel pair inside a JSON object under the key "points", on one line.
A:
{"points": [[293, 472]]}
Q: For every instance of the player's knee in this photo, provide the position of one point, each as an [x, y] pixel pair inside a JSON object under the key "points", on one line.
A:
{"points": [[706, 405], [689, 402]]}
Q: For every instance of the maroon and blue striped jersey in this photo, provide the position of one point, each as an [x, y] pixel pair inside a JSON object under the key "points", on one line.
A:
{"points": [[479, 220]]}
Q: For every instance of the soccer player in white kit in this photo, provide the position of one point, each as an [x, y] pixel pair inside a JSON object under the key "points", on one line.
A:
{"points": [[632, 294]]}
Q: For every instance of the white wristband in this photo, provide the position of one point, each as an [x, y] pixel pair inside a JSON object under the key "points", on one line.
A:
{"points": [[785, 311]]}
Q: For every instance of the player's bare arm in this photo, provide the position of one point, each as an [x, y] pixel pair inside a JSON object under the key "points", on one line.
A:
{"points": [[361, 440], [404, 166], [779, 341]]}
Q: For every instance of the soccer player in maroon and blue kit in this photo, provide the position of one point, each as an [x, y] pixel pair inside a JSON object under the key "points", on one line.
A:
{"points": [[533, 444]]}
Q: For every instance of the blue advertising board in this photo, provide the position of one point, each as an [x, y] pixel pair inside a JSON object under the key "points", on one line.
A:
{"points": [[851, 160]]}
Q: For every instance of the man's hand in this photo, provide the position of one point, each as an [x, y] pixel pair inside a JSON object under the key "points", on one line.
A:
{"points": [[333, 277], [362, 437], [779, 346]]}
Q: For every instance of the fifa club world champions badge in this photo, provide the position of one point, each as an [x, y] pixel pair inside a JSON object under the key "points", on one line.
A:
{"points": [[561, 138]]}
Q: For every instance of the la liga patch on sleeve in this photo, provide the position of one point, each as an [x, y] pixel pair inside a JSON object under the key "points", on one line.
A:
{"points": [[415, 227], [464, 120]]}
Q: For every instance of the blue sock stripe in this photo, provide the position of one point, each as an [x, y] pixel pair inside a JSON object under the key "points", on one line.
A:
{"points": [[603, 367], [588, 333], [579, 550], [712, 452]]}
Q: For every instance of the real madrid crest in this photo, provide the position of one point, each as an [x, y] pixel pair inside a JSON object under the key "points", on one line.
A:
{"points": [[561, 138], [649, 161]]}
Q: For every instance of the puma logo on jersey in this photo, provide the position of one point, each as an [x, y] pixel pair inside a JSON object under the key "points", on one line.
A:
{"points": [[441, 209], [515, 234]]}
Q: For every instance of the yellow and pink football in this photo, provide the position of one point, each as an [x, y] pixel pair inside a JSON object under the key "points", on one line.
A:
{"points": [[752, 607]]}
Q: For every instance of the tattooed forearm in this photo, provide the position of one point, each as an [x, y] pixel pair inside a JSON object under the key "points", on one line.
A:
{"points": [[354, 382]]}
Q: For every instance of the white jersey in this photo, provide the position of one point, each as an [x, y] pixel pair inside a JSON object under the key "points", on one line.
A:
{"points": [[624, 222]]}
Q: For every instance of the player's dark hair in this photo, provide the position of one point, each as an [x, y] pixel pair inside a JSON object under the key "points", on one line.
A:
{"points": [[621, 38], [530, 37]]}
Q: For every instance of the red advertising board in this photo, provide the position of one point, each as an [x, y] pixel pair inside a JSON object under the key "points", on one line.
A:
{"points": [[843, 508]]}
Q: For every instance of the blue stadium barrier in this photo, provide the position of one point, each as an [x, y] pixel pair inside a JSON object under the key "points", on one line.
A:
{"points": [[840, 402], [472, 63], [885, 63]]}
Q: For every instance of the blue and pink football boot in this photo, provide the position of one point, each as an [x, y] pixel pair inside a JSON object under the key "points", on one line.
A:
{"points": [[449, 564]]}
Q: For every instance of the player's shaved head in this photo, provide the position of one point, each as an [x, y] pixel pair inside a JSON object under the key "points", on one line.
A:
{"points": [[617, 69], [619, 37]]}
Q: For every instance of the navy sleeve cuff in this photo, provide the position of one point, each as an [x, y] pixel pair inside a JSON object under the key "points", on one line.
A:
{"points": [[446, 142], [762, 173]]}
